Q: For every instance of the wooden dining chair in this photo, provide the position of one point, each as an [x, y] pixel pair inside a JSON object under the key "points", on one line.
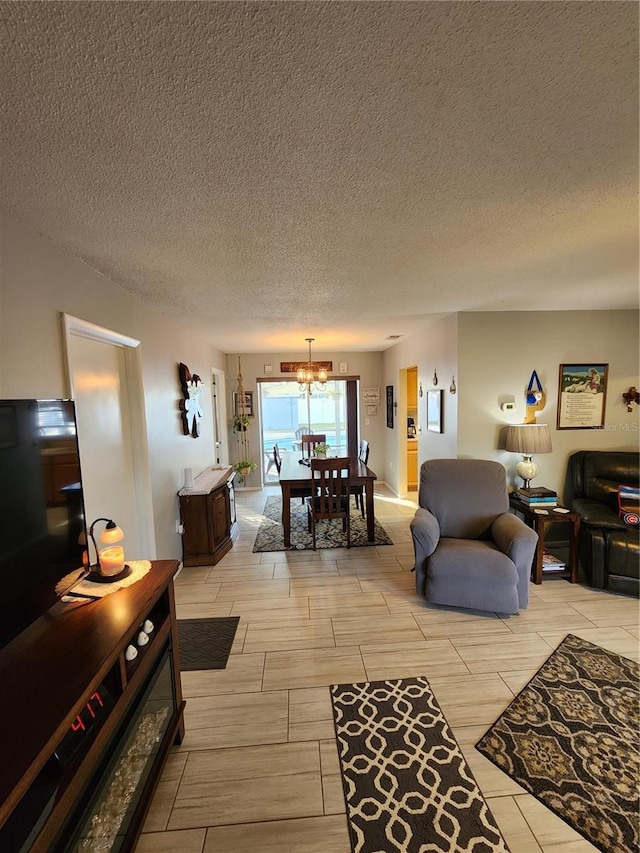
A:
{"points": [[308, 442], [358, 491], [330, 499]]}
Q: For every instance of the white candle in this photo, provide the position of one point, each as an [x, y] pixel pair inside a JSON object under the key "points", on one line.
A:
{"points": [[112, 560], [188, 478]]}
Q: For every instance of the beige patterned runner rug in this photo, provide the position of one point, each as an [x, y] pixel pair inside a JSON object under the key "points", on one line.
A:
{"points": [[570, 738], [407, 785]]}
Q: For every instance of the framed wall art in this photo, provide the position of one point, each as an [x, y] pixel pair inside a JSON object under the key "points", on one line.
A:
{"points": [[434, 411], [243, 404], [390, 406], [582, 393]]}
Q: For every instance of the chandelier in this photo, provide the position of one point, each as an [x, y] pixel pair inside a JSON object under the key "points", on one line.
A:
{"points": [[307, 379]]}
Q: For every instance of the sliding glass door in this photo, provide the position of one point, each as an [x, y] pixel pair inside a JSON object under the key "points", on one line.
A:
{"points": [[286, 413]]}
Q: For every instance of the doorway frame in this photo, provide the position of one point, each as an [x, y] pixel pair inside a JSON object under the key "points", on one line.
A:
{"points": [[219, 415], [134, 395]]}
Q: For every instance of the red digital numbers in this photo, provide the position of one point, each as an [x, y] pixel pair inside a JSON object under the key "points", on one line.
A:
{"points": [[77, 725], [94, 701], [97, 697]]}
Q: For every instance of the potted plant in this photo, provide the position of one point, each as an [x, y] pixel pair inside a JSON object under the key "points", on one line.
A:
{"points": [[240, 423], [244, 468], [321, 450]]}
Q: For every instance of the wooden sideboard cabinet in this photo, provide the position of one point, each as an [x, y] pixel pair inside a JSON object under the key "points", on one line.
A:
{"points": [[86, 730], [208, 515]]}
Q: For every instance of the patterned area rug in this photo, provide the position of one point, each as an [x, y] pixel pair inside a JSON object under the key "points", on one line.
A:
{"points": [[206, 643], [407, 785], [570, 738], [329, 533]]}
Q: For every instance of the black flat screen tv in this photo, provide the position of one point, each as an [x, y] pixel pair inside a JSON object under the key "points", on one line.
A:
{"points": [[42, 517]]}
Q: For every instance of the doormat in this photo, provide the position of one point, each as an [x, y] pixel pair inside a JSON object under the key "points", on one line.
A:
{"points": [[570, 738], [329, 533], [206, 643], [407, 785]]}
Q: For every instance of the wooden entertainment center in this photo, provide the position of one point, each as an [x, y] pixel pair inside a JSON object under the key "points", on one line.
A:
{"points": [[85, 732]]}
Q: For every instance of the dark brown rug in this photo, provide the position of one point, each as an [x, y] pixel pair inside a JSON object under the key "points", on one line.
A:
{"points": [[407, 785], [270, 536], [570, 738], [206, 643]]}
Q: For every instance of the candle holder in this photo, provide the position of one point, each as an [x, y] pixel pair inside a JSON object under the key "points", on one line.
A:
{"points": [[110, 565]]}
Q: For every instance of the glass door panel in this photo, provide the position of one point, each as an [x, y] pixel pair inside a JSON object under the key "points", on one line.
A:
{"points": [[286, 413]]}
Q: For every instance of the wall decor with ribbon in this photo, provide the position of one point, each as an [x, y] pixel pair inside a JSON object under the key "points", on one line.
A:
{"points": [[535, 398]]}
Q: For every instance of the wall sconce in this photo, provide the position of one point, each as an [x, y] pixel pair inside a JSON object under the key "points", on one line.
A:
{"points": [[452, 387], [435, 377], [110, 565], [420, 392], [631, 398]]}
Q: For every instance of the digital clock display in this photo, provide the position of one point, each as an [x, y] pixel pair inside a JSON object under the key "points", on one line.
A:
{"points": [[90, 716]]}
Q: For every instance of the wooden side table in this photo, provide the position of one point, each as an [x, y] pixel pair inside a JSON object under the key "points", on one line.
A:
{"points": [[540, 523]]}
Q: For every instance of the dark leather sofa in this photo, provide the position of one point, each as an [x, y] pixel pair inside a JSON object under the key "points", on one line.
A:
{"points": [[609, 550]]}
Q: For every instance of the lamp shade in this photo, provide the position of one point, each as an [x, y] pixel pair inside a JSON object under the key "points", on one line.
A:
{"points": [[528, 439], [112, 533]]}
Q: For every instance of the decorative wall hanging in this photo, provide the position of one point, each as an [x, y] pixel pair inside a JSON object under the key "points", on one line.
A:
{"points": [[390, 406], [434, 411], [535, 398], [452, 387], [243, 409], [420, 391], [371, 396], [435, 377], [582, 393], [295, 366], [243, 405], [190, 409], [631, 398]]}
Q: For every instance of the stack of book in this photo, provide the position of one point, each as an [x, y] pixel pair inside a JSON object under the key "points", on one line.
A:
{"points": [[539, 498], [550, 563]]}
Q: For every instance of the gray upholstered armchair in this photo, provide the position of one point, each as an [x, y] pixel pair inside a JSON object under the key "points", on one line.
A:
{"points": [[470, 550]]}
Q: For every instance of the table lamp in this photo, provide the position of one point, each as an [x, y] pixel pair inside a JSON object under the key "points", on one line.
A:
{"points": [[110, 565], [528, 439]]}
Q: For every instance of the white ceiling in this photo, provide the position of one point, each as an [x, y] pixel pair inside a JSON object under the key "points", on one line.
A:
{"points": [[275, 170]]}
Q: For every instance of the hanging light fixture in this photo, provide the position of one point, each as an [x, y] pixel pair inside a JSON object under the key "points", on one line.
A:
{"points": [[307, 379]]}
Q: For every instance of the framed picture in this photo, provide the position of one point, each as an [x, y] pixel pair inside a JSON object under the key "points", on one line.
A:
{"points": [[390, 406], [582, 393], [434, 411], [243, 404]]}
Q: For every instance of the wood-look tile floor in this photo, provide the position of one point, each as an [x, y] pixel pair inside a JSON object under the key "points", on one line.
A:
{"points": [[258, 768]]}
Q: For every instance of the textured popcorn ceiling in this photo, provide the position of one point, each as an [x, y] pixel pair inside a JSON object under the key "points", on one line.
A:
{"points": [[335, 169]]}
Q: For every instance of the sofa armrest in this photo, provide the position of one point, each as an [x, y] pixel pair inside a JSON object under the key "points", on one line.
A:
{"points": [[596, 514], [425, 532], [518, 541], [515, 538]]}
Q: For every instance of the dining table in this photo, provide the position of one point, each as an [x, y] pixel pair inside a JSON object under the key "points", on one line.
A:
{"points": [[295, 481]]}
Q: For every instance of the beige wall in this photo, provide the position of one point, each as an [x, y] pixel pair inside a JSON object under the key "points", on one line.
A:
{"points": [[497, 353], [491, 356], [365, 365], [435, 348], [38, 282]]}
